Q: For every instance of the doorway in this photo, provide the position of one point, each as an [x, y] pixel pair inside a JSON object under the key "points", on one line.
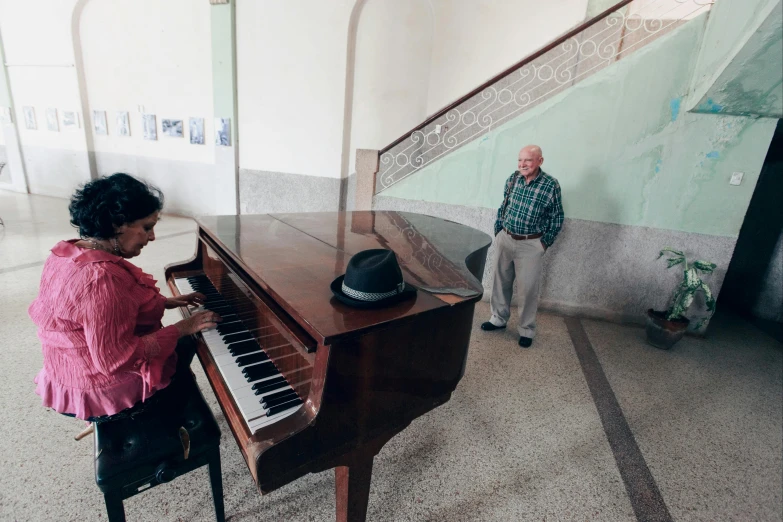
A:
{"points": [[753, 288]]}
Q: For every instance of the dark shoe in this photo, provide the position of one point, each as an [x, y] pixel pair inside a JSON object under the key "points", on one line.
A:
{"points": [[488, 327], [525, 342]]}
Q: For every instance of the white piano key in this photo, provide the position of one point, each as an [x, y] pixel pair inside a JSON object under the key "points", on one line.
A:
{"points": [[249, 404]]}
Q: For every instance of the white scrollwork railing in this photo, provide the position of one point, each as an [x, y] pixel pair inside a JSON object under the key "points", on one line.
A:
{"points": [[596, 46]]}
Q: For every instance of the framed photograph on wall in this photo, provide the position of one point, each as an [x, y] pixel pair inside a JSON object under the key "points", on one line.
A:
{"points": [[223, 132], [52, 122], [71, 120], [123, 123], [29, 117], [150, 126], [5, 115], [173, 128], [99, 123], [196, 126]]}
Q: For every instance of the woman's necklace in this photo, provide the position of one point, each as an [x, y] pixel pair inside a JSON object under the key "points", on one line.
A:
{"points": [[97, 246]]}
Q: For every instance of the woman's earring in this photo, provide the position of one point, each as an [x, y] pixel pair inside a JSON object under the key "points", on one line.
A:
{"points": [[116, 246]]}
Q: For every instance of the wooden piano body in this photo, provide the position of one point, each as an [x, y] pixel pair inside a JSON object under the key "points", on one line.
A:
{"points": [[363, 375]]}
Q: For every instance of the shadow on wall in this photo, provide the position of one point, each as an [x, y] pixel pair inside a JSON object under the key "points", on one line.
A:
{"points": [[754, 280], [580, 258]]}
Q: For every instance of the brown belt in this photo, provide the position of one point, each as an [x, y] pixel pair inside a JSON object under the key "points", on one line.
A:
{"points": [[529, 236]]}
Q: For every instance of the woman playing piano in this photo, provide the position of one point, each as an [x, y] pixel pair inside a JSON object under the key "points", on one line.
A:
{"points": [[105, 352]]}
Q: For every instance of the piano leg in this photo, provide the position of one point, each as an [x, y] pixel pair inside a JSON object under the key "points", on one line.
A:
{"points": [[352, 489]]}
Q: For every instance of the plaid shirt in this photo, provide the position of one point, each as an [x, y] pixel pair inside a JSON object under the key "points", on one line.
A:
{"points": [[533, 208]]}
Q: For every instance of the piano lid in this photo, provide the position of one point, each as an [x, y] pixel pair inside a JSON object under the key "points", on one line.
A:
{"points": [[295, 257]]}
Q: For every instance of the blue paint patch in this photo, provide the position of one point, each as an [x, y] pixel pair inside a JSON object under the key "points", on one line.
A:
{"points": [[674, 105], [713, 154], [710, 106], [485, 138], [658, 165]]}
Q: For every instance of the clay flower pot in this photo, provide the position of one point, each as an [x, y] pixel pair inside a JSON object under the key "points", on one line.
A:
{"points": [[664, 334]]}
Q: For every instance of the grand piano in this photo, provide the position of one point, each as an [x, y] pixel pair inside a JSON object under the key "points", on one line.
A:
{"points": [[307, 383]]}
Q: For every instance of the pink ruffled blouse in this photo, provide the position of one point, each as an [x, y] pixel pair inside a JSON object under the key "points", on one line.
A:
{"points": [[98, 318]]}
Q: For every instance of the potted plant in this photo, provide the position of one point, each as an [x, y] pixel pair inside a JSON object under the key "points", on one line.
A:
{"points": [[665, 328]]}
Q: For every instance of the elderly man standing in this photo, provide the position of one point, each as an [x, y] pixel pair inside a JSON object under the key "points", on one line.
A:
{"points": [[528, 222]]}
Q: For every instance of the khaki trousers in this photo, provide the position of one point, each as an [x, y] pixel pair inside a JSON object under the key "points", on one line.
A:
{"points": [[522, 260]]}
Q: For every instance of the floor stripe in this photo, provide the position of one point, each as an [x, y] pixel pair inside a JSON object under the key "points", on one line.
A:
{"points": [[39, 263], [21, 267], [167, 236], [646, 499]]}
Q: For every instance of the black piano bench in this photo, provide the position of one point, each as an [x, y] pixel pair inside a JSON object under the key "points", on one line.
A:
{"points": [[136, 454]]}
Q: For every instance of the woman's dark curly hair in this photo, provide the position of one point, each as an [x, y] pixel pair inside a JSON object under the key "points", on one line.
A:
{"points": [[104, 204]]}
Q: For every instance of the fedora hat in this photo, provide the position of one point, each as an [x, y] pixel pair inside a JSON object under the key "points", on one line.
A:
{"points": [[372, 279]]}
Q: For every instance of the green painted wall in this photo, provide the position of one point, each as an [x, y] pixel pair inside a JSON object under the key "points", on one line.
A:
{"points": [[223, 65], [622, 147], [731, 24], [752, 83]]}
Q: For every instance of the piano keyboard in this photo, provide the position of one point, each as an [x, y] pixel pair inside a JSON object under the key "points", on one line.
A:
{"points": [[257, 387]]}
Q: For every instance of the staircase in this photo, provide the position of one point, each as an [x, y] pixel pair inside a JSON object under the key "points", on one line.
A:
{"points": [[610, 36]]}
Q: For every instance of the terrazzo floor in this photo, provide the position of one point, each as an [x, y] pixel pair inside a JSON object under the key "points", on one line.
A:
{"points": [[526, 436]]}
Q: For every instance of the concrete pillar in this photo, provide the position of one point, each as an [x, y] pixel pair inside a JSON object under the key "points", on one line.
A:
{"points": [[224, 89], [15, 161], [366, 169]]}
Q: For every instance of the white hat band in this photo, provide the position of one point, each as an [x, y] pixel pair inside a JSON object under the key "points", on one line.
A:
{"points": [[371, 296]]}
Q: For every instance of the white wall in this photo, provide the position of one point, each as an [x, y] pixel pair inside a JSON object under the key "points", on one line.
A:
{"points": [[151, 53], [37, 31], [291, 59], [392, 69], [411, 58], [39, 54], [41, 73], [476, 39]]}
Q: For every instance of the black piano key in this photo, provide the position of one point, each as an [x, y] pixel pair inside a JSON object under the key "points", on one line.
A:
{"points": [[283, 407], [203, 284], [279, 387], [273, 396], [233, 338], [244, 347], [215, 299], [231, 328], [271, 403], [206, 290], [275, 387], [259, 371], [269, 385], [219, 309], [199, 287], [257, 375], [251, 359]]}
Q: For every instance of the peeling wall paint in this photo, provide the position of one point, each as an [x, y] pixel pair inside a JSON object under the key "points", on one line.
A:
{"points": [[732, 30], [621, 148], [709, 106], [752, 84], [674, 105]]}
